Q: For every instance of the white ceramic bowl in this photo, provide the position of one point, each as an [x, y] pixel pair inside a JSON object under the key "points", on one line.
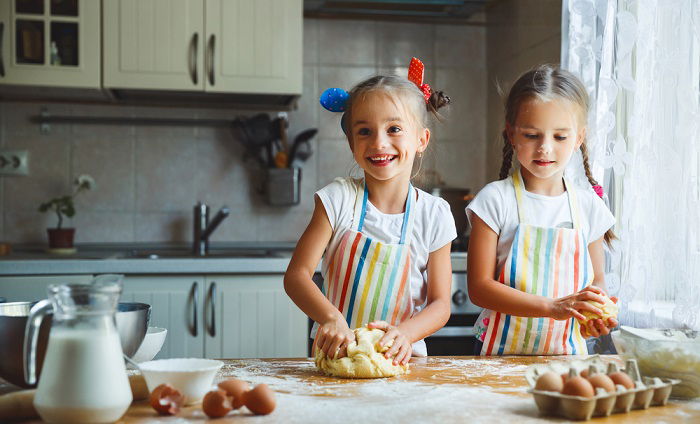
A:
{"points": [[152, 344], [193, 377]]}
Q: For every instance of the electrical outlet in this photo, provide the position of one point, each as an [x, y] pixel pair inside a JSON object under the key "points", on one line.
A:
{"points": [[14, 162]]}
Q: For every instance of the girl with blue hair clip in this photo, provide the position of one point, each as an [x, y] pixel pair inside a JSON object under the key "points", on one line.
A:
{"points": [[385, 245]]}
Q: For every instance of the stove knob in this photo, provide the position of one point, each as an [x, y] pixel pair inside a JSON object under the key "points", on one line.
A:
{"points": [[459, 298]]}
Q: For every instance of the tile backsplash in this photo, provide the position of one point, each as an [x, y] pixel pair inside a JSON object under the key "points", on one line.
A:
{"points": [[150, 177]]}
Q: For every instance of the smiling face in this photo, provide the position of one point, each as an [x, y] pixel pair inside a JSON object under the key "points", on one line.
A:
{"points": [[384, 137], [544, 137]]}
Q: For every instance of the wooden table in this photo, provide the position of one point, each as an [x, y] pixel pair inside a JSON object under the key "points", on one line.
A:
{"points": [[438, 389]]}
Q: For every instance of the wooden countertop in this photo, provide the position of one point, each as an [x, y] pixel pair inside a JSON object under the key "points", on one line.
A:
{"points": [[438, 389]]}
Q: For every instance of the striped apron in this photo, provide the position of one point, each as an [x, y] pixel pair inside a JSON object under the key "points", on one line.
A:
{"points": [[368, 280], [544, 261]]}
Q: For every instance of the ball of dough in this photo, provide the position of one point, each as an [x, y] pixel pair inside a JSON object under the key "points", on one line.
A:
{"points": [[609, 309], [365, 359]]}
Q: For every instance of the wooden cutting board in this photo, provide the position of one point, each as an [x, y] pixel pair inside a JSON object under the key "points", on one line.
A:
{"points": [[438, 389]]}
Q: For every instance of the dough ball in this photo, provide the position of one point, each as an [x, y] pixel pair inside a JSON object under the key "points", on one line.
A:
{"points": [[365, 359], [609, 309]]}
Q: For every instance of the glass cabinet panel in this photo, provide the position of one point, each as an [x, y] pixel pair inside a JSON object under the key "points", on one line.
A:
{"points": [[64, 44], [30, 7], [30, 41], [64, 7]]}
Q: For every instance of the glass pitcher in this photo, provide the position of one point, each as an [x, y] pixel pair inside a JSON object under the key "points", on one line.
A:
{"points": [[83, 378]]}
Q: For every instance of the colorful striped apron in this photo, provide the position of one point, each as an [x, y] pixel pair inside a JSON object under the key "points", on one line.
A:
{"points": [[545, 261], [368, 280]]}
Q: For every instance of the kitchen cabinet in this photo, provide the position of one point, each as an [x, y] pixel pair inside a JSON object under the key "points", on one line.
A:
{"points": [[33, 288], [224, 46], [176, 304], [50, 43], [251, 316]]}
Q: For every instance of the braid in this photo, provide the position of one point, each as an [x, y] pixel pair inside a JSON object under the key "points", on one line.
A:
{"points": [[507, 157], [609, 235]]}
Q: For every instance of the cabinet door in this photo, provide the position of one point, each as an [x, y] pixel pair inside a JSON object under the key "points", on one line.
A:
{"points": [[33, 288], [50, 43], [176, 304], [252, 317], [154, 44], [254, 46]]}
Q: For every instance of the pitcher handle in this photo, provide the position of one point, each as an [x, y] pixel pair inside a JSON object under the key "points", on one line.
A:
{"points": [[31, 335]]}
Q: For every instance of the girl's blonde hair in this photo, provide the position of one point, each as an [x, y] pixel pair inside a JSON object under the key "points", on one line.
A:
{"points": [[545, 83], [399, 88]]}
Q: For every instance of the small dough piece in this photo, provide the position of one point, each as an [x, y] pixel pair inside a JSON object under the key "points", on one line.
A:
{"points": [[364, 360], [609, 309]]}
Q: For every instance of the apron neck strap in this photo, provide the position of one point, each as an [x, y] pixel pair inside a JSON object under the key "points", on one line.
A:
{"points": [[361, 200], [570, 192]]}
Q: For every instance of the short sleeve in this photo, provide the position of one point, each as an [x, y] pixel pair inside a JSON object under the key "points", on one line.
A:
{"points": [[444, 230], [488, 205], [337, 197], [599, 217]]}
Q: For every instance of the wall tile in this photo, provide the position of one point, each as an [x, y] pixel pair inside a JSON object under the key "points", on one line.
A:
{"points": [[29, 226], [459, 46], [311, 41], [347, 42], [165, 131], [397, 42], [465, 117], [335, 160], [241, 225], [307, 113], [115, 132], [163, 227], [282, 225], [220, 174], [111, 164], [342, 77], [98, 227], [461, 164], [48, 172], [17, 119], [165, 175]]}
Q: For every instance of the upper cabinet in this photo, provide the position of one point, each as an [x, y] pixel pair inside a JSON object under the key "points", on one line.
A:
{"points": [[224, 46], [50, 42]]}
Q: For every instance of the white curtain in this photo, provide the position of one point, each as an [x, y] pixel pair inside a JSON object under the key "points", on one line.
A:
{"points": [[640, 61]]}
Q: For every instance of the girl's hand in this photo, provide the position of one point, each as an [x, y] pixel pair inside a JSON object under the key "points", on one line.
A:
{"points": [[401, 349], [573, 304], [333, 338], [597, 328]]}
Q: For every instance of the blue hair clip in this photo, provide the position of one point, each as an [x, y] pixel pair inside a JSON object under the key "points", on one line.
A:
{"points": [[334, 99]]}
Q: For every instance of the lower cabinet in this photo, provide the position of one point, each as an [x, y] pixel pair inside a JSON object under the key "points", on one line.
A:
{"points": [[226, 316], [33, 288]]}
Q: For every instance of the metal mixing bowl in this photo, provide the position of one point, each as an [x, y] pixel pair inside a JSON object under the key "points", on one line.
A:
{"points": [[132, 322]]}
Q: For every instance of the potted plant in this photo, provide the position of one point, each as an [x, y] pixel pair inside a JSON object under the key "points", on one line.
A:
{"points": [[61, 239]]}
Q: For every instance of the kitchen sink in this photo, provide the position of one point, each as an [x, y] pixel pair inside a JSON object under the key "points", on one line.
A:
{"points": [[214, 253]]}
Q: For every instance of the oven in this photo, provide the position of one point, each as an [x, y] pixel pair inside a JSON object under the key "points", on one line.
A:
{"points": [[457, 336]]}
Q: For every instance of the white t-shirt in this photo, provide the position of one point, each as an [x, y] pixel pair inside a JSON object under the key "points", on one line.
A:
{"points": [[433, 228], [495, 204]]}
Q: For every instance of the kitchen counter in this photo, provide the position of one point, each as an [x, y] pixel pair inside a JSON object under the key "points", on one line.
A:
{"points": [[225, 258], [438, 389]]}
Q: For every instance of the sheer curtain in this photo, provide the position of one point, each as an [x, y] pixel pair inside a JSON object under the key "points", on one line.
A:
{"points": [[640, 61]]}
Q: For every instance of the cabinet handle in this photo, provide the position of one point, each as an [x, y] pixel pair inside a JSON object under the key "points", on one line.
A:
{"points": [[2, 59], [195, 301], [212, 310], [194, 45], [210, 55]]}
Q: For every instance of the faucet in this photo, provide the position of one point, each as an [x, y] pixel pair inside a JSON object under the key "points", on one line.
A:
{"points": [[203, 228]]}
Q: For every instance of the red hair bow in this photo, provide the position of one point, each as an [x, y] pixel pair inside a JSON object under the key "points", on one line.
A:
{"points": [[415, 75]]}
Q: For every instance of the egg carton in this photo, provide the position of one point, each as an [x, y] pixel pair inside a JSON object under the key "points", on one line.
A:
{"points": [[647, 391]]}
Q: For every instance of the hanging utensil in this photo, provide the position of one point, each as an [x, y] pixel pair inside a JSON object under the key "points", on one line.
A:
{"points": [[282, 155], [301, 148]]}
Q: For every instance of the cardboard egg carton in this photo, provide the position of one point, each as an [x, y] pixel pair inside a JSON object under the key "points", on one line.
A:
{"points": [[646, 392]]}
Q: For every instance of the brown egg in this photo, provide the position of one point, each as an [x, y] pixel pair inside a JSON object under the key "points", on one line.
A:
{"points": [[216, 404], [623, 379], [549, 382], [578, 386], [564, 377], [584, 373], [235, 389], [166, 400], [602, 381], [260, 400]]}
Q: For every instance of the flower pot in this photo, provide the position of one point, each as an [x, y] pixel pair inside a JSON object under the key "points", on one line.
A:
{"points": [[61, 238]]}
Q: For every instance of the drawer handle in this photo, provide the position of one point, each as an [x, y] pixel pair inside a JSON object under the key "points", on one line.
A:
{"points": [[2, 60], [210, 55], [195, 301], [194, 45], [212, 309]]}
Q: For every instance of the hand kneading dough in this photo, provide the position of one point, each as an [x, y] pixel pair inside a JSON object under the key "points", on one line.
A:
{"points": [[364, 360], [609, 309]]}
